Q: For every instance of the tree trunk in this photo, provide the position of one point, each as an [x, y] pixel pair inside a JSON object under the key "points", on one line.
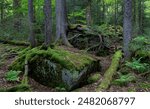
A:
{"points": [[31, 23], [89, 13], [61, 22], [2, 11], [17, 14], [141, 16], [136, 21], [127, 26], [48, 21]]}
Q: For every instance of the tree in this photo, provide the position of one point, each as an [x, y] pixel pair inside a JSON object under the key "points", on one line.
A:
{"points": [[61, 21], [48, 21], [31, 23], [2, 10], [127, 26], [17, 14], [89, 13]]}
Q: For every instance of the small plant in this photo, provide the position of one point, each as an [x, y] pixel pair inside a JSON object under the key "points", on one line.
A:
{"points": [[12, 75], [137, 65], [124, 79]]}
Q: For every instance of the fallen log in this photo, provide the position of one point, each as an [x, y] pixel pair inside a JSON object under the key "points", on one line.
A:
{"points": [[108, 76]]}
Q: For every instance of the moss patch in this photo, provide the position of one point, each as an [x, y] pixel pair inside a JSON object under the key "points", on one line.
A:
{"points": [[66, 59], [56, 67], [94, 78], [108, 76]]}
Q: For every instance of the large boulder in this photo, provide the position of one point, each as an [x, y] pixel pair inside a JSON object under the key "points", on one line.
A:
{"points": [[58, 67]]}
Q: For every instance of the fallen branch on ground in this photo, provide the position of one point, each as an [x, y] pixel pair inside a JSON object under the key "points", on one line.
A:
{"points": [[108, 76]]}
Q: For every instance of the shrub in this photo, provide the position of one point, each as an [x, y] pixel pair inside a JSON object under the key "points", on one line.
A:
{"points": [[109, 30]]}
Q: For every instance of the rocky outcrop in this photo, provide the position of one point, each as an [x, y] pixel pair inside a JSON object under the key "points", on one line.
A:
{"points": [[57, 67]]}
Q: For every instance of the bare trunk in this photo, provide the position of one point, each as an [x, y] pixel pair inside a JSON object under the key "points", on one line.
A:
{"points": [[88, 13], [17, 14], [2, 11], [31, 23], [127, 25], [48, 21], [136, 21], [61, 22]]}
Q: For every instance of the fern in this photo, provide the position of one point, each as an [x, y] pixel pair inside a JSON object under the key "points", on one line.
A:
{"points": [[137, 65], [124, 79], [12, 75], [140, 43]]}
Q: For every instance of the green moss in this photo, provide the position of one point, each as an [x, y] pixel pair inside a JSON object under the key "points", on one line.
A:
{"points": [[108, 76], [94, 78], [65, 58]]}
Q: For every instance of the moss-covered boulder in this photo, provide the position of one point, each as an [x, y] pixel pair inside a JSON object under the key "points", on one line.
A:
{"points": [[57, 67]]}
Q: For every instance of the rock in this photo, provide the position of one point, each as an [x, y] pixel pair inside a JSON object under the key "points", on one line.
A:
{"points": [[58, 67]]}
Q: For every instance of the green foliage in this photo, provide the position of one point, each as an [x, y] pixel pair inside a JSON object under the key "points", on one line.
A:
{"points": [[109, 30], [94, 78], [124, 79], [144, 85], [138, 66], [12, 75], [79, 16], [141, 46], [60, 89]]}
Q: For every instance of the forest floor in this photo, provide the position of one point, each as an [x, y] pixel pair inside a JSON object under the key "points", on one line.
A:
{"points": [[8, 55]]}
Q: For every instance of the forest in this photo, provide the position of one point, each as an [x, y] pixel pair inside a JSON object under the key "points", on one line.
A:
{"points": [[74, 45]]}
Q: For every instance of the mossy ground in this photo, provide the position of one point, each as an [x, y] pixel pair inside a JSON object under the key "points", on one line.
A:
{"points": [[142, 83], [52, 63]]}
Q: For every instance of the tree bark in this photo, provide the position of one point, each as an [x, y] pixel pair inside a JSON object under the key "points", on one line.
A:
{"points": [[48, 21], [136, 29], [89, 13], [31, 23], [2, 10], [127, 26], [17, 14], [61, 22]]}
